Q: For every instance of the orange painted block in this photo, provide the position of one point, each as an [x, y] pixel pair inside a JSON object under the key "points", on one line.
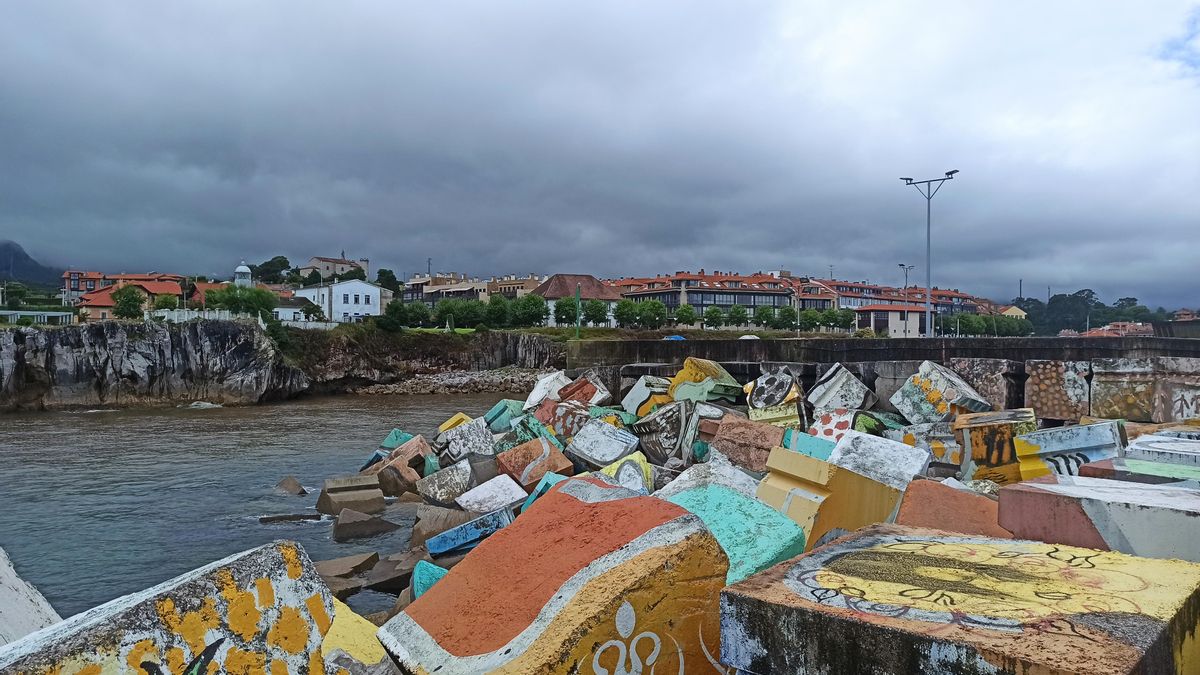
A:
{"points": [[592, 578], [987, 442], [528, 462], [822, 497], [929, 503]]}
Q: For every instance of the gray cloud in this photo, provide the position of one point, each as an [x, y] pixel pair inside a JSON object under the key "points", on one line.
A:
{"points": [[613, 138]]}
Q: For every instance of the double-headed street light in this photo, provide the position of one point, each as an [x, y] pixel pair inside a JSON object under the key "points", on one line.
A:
{"points": [[929, 188]]}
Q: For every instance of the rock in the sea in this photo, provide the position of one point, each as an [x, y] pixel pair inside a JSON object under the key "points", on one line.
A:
{"points": [[351, 524], [290, 486], [347, 566]]}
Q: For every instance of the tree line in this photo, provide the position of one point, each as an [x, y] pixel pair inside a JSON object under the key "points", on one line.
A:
{"points": [[1083, 309]]}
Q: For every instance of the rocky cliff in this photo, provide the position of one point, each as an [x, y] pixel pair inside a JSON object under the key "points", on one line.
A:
{"points": [[113, 363]]}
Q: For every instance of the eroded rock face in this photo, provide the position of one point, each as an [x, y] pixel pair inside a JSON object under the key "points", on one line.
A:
{"points": [[112, 363]]}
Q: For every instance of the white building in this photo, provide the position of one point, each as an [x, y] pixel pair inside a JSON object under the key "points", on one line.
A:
{"points": [[241, 276], [893, 320], [347, 301]]}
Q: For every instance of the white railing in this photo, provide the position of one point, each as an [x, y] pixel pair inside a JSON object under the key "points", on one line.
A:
{"points": [[312, 325], [182, 315]]}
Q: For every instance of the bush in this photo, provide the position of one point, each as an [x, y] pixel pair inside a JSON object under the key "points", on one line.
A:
{"points": [[127, 302], [25, 321], [166, 302]]}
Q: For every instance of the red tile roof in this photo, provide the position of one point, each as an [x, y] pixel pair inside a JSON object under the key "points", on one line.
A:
{"points": [[158, 287], [203, 287], [563, 286]]}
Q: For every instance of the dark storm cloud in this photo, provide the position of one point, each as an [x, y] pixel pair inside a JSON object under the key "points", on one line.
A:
{"points": [[612, 138]]}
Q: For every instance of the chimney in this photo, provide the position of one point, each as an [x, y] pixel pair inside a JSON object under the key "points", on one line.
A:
{"points": [[701, 271]]}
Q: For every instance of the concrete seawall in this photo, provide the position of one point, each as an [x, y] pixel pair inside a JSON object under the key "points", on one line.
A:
{"points": [[595, 353]]}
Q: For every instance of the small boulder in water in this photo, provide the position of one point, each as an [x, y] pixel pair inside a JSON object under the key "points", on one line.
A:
{"points": [[201, 405], [290, 486]]}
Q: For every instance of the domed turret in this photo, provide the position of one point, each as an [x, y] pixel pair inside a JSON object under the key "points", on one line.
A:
{"points": [[241, 275]]}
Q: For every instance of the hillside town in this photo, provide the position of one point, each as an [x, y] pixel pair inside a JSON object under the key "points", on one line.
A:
{"points": [[326, 291]]}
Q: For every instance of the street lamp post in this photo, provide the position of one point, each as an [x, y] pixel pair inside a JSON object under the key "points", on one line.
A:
{"points": [[929, 188], [907, 269]]}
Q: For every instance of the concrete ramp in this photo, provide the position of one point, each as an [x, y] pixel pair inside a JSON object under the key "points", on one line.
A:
{"points": [[23, 609]]}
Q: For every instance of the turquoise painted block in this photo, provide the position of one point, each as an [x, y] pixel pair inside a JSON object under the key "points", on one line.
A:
{"points": [[597, 412], [797, 440], [527, 428], [424, 576], [375, 458], [499, 418], [395, 439], [754, 535], [432, 465], [700, 451], [549, 480], [468, 535]]}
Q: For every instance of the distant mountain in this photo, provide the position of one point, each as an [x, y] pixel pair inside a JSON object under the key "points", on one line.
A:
{"points": [[17, 265]]}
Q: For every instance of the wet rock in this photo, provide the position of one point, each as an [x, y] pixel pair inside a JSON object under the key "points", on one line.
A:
{"points": [[351, 524], [289, 518], [290, 486], [347, 566], [343, 587]]}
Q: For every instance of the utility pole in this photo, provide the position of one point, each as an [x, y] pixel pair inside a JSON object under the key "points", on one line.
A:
{"points": [[429, 267], [831, 272], [578, 308], [930, 189], [1020, 288]]}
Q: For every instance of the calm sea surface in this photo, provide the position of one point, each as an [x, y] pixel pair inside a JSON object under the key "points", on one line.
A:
{"points": [[94, 505]]}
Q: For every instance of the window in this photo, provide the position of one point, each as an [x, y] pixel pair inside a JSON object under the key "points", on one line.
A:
{"points": [[74, 283], [345, 298], [367, 299], [91, 285], [356, 298]]}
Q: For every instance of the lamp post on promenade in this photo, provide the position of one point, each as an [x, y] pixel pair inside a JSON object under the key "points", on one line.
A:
{"points": [[907, 269], [929, 188]]}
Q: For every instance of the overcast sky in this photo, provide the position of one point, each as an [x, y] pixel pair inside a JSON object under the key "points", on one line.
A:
{"points": [[614, 138]]}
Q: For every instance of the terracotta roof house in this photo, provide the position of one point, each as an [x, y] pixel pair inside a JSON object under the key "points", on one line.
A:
{"points": [[563, 286]]}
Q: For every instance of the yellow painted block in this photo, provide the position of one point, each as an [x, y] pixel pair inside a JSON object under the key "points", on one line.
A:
{"points": [[654, 402], [785, 415], [632, 471], [698, 370], [459, 418], [821, 497], [987, 442], [353, 635]]}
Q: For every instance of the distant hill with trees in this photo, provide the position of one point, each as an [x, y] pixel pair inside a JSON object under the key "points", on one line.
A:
{"points": [[17, 265]]}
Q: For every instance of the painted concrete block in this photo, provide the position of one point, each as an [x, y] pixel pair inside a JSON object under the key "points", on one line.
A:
{"points": [[498, 493], [499, 418], [599, 444], [614, 416], [564, 418], [433, 520], [886, 378], [1063, 450], [667, 434], [832, 424], [424, 576], [239, 614], [23, 609], [1184, 431], [839, 388], [936, 394], [824, 498], [775, 387], [875, 422], [753, 535], [893, 600], [987, 442], [932, 504], [412, 454], [1160, 389], [587, 388], [1167, 449], [467, 536], [718, 470], [720, 385], [1153, 521], [1058, 390], [889, 462], [395, 439], [446, 485], [746, 443], [472, 437], [350, 645], [351, 524], [527, 427], [341, 496], [937, 437], [631, 472], [457, 419], [639, 576], [805, 443], [786, 415], [999, 381], [528, 462], [548, 481], [547, 387], [1143, 471], [649, 391]]}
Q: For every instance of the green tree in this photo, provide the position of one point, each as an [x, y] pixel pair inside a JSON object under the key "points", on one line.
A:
{"points": [[416, 314], [626, 313], [166, 302], [243, 300], [809, 319], [393, 318], [314, 277], [529, 310], [498, 311], [830, 318], [738, 316], [15, 294], [652, 314], [685, 315], [595, 312], [764, 316], [446, 311], [714, 317], [387, 278], [846, 318], [271, 271], [785, 318], [127, 302], [312, 312], [355, 273], [565, 311]]}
